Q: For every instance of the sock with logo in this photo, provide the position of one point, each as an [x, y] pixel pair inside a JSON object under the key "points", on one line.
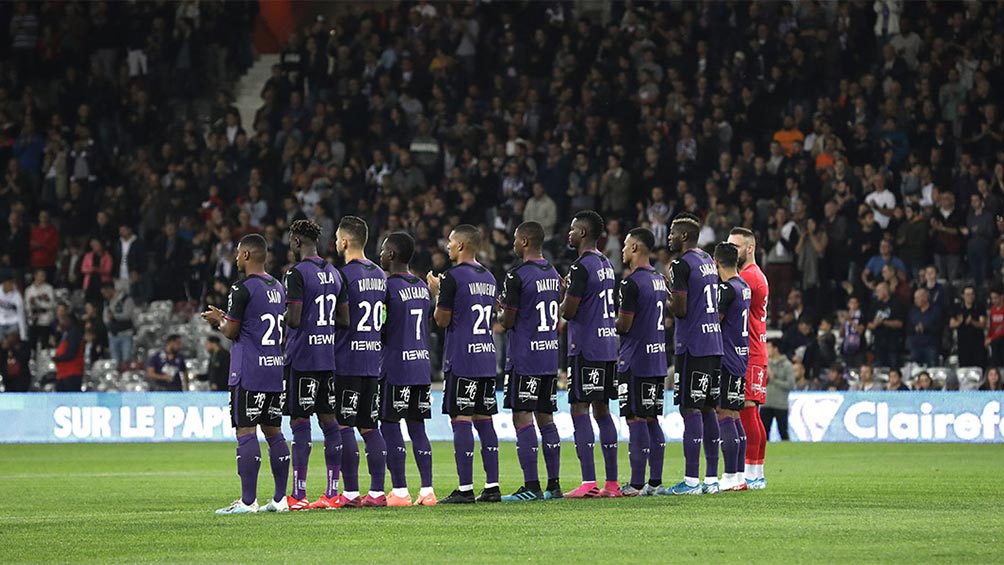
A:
{"points": [[396, 453], [730, 444], [693, 433], [248, 464], [301, 455], [332, 457], [552, 451], [584, 439], [639, 448], [463, 451], [526, 452], [376, 459], [350, 460], [711, 436], [489, 449], [422, 450], [657, 452], [608, 445], [278, 455]]}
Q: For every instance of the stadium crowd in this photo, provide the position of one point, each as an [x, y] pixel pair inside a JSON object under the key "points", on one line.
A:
{"points": [[860, 140]]}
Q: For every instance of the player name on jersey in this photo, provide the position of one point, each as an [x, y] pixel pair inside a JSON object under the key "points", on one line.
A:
{"points": [[482, 289]]}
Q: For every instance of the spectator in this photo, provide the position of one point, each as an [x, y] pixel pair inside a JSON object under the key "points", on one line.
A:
{"points": [[913, 240], [887, 315], [96, 268], [969, 322], [780, 381], [835, 380], [15, 245], [995, 330], [924, 382], [881, 201], [780, 262], [979, 231], [12, 315], [872, 273], [118, 318], [615, 186], [128, 253], [992, 380], [895, 383], [866, 380], [40, 298], [69, 352], [853, 333], [936, 290], [218, 369], [541, 208], [44, 245], [947, 223], [15, 368], [165, 369], [788, 135], [924, 330]]}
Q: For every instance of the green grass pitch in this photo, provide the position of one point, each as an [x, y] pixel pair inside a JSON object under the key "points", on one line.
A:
{"points": [[825, 503]]}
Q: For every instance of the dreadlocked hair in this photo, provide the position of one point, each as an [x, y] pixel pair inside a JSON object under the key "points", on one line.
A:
{"points": [[306, 229]]}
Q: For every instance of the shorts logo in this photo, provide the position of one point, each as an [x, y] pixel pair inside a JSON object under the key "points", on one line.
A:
{"points": [[402, 397], [332, 398], [649, 395], [735, 393], [255, 404], [375, 408], [308, 392], [592, 380], [700, 383], [275, 410], [489, 399], [425, 403], [467, 391], [350, 403], [554, 392], [528, 389]]}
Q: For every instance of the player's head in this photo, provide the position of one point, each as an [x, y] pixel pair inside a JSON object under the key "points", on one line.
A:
{"points": [[173, 344], [684, 231], [745, 240], [397, 250], [464, 242], [352, 234], [303, 236], [528, 240], [587, 226], [251, 252], [638, 246], [726, 257]]}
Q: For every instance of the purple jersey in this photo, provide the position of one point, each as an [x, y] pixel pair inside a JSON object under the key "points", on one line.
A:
{"points": [[533, 290], [358, 347], [468, 291], [643, 348], [316, 285], [734, 305], [406, 331], [591, 332], [695, 276], [258, 302], [164, 363]]}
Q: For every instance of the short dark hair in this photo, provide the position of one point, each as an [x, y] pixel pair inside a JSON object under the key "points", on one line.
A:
{"points": [[306, 229], [173, 337], [355, 229], [593, 221], [745, 232], [213, 339], [533, 232], [469, 233], [690, 224], [403, 245], [644, 236], [256, 244], [727, 254]]}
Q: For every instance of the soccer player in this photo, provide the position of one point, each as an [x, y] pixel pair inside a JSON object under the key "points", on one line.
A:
{"points": [[642, 364], [733, 310], [749, 424], [529, 312], [592, 354], [253, 321], [357, 364], [466, 300], [312, 310], [406, 371], [693, 280]]}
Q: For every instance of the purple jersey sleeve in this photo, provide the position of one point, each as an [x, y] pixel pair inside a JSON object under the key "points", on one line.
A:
{"points": [[237, 302]]}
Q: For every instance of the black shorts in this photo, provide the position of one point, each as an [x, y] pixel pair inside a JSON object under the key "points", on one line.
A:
{"points": [[733, 391], [466, 396], [250, 408], [309, 393], [358, 403], [696, 381], [531, 393], [640, 397], [591, 381], [409, 402]]}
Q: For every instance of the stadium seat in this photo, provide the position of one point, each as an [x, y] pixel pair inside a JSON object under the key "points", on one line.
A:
{"points": [[969, 377]]}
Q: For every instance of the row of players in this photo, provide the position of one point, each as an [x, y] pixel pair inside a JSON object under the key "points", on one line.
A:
{"points": [[350, 346]]}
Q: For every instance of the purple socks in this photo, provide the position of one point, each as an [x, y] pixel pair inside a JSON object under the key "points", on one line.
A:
{"points": [[333, 456], [693, 434], [741, 457], [526, 452], [608, 445], [552, 451], [639, 447], [584, 440], [376, 458], [301, 455], [711, 436], [730, 444], [396, 453], [248, 464], [278, 455], [489, 449], [423, 452], [463, 451], [350, 460], [657, 453]]}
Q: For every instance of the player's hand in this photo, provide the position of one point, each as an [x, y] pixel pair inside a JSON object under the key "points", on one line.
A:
{"points": [[433, 282]]}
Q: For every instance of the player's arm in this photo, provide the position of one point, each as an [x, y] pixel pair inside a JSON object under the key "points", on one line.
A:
{"points": [[153, 375], [726, 294], [679, 275], [294, 298], [229, 323], [342, 316], [577, 278], [512, 292], [628, 306], [444, 287]]}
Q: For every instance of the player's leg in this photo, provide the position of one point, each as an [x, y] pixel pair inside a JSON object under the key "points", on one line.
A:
{"points": [[421, 447], [301, 400], [278, 452], [484, 408], [347, 409], [730, 445], [656, 455], [248, 453], [376, 447], [458, 404], [689, 395], [547, 405], [332, 461], [582, 426], [639, 441], [397, 455], [608, 446], [526, 453], [712, 433]]}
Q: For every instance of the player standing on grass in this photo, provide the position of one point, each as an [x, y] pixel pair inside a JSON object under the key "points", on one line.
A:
{"points": [[254, 322], [406, 372], [466, 301], [752, 450], [642, 365], [693, 280], [357, 364], [733, 308], [592, 354], [312, 310], [529, 311]]}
